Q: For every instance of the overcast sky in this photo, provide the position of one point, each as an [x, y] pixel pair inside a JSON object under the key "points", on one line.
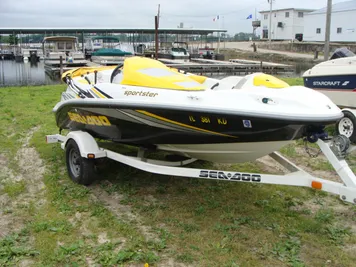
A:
{"points": [[140, 13]]}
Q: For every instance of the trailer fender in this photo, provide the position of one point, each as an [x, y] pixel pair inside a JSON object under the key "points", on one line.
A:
{"points": [[86, 143], [353, 111]]}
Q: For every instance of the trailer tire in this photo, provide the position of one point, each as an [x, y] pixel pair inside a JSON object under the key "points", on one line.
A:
{"points": [[346, 126], [80, 170]]}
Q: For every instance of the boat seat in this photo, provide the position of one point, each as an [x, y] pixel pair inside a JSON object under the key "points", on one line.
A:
{"points": [[240, 84], [116, 71]]}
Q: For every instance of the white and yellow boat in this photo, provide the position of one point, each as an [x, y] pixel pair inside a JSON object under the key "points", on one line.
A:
{"points": [[144, 103]]}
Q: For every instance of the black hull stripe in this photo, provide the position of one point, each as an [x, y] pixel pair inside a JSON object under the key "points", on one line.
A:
{"points": [[103, 93], [103, 103], [348, 90], [153, 120]]}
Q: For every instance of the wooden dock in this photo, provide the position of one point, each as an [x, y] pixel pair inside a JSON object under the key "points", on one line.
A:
{"points": [[55, 72], [232, 67], [208, 67]]}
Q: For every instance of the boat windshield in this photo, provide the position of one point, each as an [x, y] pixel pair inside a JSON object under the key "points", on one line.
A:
{"points": [[342, 52], [178, 49]]}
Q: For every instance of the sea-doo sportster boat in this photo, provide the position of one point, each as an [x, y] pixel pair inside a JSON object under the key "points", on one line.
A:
{"points": [[147, 104]]}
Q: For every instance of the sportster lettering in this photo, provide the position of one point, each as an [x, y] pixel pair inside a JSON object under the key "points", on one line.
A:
{"points": [[236, 176], [140, 93]]}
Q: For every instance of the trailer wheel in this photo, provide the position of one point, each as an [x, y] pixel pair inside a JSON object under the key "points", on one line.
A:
{"points": [[346, 126], [80, 170]]}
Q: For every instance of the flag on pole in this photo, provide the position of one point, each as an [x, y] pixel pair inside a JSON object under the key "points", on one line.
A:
{"points": [[249, 17], [216, 18]]}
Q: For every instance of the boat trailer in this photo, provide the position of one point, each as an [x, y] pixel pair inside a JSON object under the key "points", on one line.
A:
{"points": [[82, 150]]}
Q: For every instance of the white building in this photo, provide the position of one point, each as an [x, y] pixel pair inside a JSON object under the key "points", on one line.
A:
{"points": [[285, 24], [343, 25]]}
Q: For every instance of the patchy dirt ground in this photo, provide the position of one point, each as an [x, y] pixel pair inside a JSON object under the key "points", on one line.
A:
{"points": [[112, 202], [29, 174]]}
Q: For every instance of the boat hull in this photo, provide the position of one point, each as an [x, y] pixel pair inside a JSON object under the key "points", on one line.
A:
{"points": [[207, 136], [341, 89], [346, 82], [226, 152], [341, 97], [161, 126]]}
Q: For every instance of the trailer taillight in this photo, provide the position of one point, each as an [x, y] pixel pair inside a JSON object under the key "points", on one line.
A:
{"points": [[317, 185]]}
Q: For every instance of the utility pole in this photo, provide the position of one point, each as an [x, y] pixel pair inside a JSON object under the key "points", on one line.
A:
{"points": [[219, 35], [156, 32], [223, 27], [327, 31], [270, 22]]}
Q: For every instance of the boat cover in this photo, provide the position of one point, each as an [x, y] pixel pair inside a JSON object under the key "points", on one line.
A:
{"points": [[146, 72], [110, 52], [342, 52]]}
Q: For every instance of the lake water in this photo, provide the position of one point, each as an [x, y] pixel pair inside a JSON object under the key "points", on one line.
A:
{"points": [[21, 74]]}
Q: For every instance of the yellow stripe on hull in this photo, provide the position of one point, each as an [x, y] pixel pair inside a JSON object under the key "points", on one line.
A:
{"points": [[98, 93], [182, 124]]}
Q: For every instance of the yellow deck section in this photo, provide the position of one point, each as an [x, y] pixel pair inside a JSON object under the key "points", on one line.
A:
{"points": [[77, 72], [269, 81], [146, 72]]}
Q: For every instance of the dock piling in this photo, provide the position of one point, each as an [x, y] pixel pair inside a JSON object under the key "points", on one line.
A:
{"points": [[60, 66]]}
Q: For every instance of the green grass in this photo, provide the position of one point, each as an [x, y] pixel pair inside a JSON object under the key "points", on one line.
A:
{"points": [[220, 220], [14, 189], [289, 150], [55, 240], [293, 81], [194, 222]]}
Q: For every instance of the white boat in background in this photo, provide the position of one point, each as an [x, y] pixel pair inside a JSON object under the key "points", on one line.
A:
{"points": [[32, 54], [107, 50], [174, 50], [336, 78], [95, 43], [55, 47]]}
